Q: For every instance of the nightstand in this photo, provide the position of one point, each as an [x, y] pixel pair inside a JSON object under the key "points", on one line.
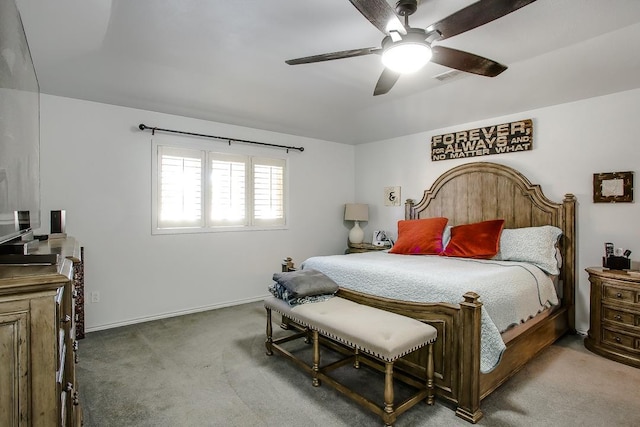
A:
{"points": [[355, 248], [614, 325]]}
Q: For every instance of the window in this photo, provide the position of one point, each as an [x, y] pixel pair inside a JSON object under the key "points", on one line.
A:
{"points": [[197, 190]]}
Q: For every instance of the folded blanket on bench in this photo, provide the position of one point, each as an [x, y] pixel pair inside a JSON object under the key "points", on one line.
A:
{"points": [[302, 286]]}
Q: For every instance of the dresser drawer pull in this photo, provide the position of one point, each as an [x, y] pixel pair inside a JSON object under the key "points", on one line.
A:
{"points": [[65, 319], [617, 317], [619, 295], [617, 339]]}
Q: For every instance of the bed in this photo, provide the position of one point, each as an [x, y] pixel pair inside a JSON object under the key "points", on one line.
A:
{"points": [[473, 193]]}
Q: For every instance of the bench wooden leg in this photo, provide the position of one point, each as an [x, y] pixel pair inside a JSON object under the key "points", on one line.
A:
{"points": [[388, 393], [269, 342], [430, 372], [316, 358]]}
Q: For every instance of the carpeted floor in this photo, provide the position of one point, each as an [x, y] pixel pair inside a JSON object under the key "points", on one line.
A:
{"points": [[210, 369]]}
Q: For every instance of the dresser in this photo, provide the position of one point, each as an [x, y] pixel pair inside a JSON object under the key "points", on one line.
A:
{"points": [[38, 345], [614, 327]]}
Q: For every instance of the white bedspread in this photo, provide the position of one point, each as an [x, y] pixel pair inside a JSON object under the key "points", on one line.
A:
{"points": [[511, 292]]}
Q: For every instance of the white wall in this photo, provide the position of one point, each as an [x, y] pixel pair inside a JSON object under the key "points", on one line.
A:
{"points": [[571, 143], [96, 165]]}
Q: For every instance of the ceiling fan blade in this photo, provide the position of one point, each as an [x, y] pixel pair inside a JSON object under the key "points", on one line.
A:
{"points": [[380, 14], [465, 61], [475, 15], [334, 55], [386, 81]]}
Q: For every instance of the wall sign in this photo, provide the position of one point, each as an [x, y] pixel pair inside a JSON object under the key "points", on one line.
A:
{"points": [[496, 139]]}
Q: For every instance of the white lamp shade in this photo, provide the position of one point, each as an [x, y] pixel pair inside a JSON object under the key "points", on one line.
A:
{"points": [[356, 212]]}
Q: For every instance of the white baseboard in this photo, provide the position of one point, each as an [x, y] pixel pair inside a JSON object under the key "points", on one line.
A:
{"points": [[174, 314]]}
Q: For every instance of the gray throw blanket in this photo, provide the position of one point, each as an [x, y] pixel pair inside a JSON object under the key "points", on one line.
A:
{"points": [[304, 283]]}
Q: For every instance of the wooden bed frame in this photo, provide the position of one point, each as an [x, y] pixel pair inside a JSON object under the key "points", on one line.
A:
{"points": [[465, 194]]}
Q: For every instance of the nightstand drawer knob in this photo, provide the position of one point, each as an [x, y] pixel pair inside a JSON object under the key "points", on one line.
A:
{"points": [[65, 319], [617, 317], [618, 295], [617, 339]]}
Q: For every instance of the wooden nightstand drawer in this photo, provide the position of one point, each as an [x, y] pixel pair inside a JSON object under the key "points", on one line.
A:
{"points": [[628, 318], [615, 293], [619, 339], [614, 323]]}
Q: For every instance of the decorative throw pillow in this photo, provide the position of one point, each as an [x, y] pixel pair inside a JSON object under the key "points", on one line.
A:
{"points": [[419, 236], [477, 240], [537, 245]]}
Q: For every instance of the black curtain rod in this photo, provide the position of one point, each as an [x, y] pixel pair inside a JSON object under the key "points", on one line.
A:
{"points": [[142, 126]]}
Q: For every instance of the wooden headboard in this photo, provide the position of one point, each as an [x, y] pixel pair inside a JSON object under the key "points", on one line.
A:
{"points": [[481, 191]]}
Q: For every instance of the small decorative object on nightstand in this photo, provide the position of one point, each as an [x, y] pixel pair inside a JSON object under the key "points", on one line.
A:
{"points": [[355, 248], [614, 329]]}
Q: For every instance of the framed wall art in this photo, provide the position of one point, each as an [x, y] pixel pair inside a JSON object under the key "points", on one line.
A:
{"points": [[613, 187], [392, 196]]}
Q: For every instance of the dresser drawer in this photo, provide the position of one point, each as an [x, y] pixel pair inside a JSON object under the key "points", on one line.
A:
{"points": [[622, 317], [616, 293], [620, 339]]}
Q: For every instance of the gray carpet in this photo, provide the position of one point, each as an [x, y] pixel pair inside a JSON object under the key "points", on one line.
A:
{"points": [[210, 369]]}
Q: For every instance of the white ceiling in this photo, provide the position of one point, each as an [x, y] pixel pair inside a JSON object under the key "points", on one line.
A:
{"points": [[224, 61]]}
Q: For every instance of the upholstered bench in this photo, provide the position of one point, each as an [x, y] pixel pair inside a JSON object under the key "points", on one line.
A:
{"points": [[383, 336]]}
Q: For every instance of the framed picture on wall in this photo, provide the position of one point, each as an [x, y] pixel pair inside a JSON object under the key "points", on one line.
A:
{"points": [[613, 187], [392, 196]]}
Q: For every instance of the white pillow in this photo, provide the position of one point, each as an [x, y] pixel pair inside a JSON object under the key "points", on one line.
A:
{"points": [[446, 236], [537, 245]]}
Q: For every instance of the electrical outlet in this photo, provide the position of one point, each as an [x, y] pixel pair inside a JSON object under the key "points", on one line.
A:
{"points": [[95, 296]]}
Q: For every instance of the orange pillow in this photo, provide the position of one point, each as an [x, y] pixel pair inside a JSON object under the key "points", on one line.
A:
{"points": [[419, 236], [477, 240]]}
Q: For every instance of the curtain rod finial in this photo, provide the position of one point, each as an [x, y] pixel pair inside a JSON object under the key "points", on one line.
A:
{"points": [[141, 126]]}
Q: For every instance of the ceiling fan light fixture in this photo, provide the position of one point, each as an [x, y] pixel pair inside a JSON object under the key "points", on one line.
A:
{"points": [[406, 57]]}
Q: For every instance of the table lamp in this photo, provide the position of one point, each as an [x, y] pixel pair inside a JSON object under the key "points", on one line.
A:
{"points": [[356, 212]]}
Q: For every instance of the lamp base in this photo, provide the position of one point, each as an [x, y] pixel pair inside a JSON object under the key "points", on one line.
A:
{"points": [[356, 234]]}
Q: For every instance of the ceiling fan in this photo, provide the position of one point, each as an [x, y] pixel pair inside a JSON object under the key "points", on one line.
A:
{"points": [[406, 49]]}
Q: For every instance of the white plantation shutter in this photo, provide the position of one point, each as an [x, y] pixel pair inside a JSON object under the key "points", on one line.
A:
{"points": [[179, 187], [228, 182], [268, 191], [195, 190]]}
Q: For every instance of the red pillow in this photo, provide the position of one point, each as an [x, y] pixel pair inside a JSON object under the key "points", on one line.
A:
{"points": [[477, 240], [419, 236]]}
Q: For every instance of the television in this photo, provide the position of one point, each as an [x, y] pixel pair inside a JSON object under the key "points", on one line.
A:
{"points": [[19, 129]]}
